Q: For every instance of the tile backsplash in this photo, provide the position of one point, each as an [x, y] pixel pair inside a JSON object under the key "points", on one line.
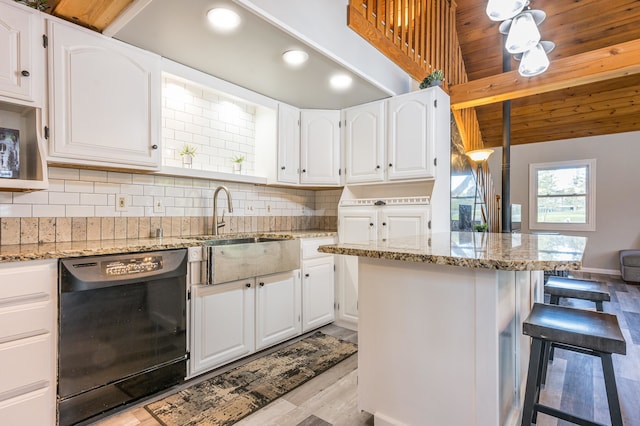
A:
{"points": [[218, 127], [81, 205]]}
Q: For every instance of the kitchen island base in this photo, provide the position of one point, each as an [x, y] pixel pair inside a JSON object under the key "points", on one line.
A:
{"points": [[442, 344]]}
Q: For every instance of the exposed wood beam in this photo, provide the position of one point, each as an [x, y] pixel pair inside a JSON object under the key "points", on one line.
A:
{"points": [[602, 64]]}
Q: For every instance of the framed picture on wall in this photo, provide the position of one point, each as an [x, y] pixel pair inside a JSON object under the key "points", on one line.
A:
{"points": [[9, 153]]}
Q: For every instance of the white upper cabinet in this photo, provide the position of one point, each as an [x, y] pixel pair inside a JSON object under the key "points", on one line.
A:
{"points": [[320, 147], [105, 101], [364, 137], [288, 144], [411, 139], [22, 72]]}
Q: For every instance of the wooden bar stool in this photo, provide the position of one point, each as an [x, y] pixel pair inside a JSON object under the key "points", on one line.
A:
{"points": [[595, 291], [574, 288], [578, 330]]}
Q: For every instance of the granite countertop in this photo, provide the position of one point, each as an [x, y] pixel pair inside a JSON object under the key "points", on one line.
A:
{"points": [[24, 252], [516, 252]]}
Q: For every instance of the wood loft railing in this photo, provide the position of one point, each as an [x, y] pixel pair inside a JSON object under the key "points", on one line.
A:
{"points": [[420, 36]]}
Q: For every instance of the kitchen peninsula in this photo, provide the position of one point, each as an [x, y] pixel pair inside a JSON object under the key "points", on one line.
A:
{"points": [[440, 318]]}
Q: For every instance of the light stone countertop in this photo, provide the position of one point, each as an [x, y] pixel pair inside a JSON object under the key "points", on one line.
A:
{"points": [[24, 252], [514, 252]]}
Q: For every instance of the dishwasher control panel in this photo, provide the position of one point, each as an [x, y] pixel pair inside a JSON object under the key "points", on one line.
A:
{"points": [[136, 265]]}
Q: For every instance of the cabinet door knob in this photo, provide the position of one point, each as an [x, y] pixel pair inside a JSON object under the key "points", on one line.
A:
{"points": [[154, 146], [25, 73], [371, 224], [248, 285], [306, 275], [390, 165], [282, 168], [384, 223], [304, 170], [378, 166], [261, 284]]}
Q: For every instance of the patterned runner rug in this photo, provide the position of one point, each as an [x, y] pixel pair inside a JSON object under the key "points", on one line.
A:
{"points": [[227, 398]]}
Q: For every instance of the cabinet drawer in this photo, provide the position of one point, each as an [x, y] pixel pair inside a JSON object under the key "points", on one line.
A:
{"points": [[310, 247], [26, 362], [26, 320], [33, 408], [30, 281]]}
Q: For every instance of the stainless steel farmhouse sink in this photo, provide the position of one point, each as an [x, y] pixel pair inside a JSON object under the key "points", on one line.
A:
{"points": [[234, 259]]}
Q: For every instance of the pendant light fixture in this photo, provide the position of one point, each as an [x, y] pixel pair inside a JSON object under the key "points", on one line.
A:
{"points": [[522, 31], [523, 37], [535, 61], [499, 10]]}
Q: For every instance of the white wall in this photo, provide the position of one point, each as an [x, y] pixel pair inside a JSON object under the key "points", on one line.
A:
{"points": [[323, 24], [617, 189]]}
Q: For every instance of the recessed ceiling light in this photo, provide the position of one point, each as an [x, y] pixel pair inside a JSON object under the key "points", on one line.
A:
{"points": [[295, 58], [340, 81], [223, 19]]}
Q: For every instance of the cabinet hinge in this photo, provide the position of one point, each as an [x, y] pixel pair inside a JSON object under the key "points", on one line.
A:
{"points": [[435, 103], [339, 172], [45, 41], [335, 305], [189, 295], [429, 224], [339, 124], [188, 355], [435, 161], [334, 268], [46, 132]]}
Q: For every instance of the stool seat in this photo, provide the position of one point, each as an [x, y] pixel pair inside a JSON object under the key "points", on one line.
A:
{"points": [[578, 330], [597, 331], [577, 289]]}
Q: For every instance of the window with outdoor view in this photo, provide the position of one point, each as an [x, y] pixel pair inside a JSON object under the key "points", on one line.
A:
{"points": [[562, 196]]}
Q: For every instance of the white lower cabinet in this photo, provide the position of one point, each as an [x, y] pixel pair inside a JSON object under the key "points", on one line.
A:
{"points": [[278, 305], [222, 324], [28, 329], [364, 224], [318, 284], [317, 293]]}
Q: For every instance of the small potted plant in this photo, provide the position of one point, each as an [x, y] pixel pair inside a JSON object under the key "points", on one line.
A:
{"points": [[187, 153], [433, 79], [237, 163], [481, 227]]}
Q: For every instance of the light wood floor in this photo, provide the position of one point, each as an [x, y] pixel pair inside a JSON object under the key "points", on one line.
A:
{"points": [[574, 381]]}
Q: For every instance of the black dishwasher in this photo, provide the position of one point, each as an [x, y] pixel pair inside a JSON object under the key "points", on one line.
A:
{"points": [[122, 330]]}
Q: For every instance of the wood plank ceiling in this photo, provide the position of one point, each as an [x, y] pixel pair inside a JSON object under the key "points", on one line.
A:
{"points": [[576, 26]]}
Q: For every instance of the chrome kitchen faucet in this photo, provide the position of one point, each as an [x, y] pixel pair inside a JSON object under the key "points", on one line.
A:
{"points": [[217, 225]]}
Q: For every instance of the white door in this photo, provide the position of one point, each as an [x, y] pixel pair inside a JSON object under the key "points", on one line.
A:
{"points": [[106, 100], [364, 135], [405, 222], [222, 326], [354, 225], [20, 68], [288, 144], [277, 308], [320, 147], [357, 224], [411, 127], [317, 292]]}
